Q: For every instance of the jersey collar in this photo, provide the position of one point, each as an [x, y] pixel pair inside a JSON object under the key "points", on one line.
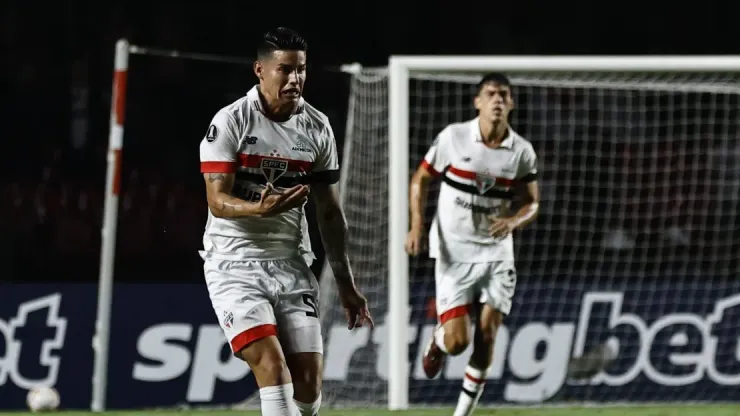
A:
{"points": [[508, 142]]}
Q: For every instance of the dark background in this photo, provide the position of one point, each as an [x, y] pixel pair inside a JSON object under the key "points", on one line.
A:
{"points": [[55, 81]]}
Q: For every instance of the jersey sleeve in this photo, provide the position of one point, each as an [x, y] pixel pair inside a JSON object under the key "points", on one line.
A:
{"points": [[436, 159], [218, 149], [527, 170], [326, 166]]}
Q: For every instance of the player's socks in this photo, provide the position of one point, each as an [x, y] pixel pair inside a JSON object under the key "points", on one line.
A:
{"points": [[278, 400], [472, 388], [439, 339], [309, 409]]}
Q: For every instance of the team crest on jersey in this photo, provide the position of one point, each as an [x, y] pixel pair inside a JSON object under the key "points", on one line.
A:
{"points": [[273, 169], [484, 182]]}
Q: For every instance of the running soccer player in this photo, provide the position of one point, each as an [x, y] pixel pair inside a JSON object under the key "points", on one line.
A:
{"points": [[482, 164], [261, 157]]}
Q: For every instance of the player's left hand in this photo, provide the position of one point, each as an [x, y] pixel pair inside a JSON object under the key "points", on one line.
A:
{"points": [[355, 308], [500, 227]]}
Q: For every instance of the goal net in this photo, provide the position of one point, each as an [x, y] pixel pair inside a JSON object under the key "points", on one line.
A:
{"points": [[628, 281]]}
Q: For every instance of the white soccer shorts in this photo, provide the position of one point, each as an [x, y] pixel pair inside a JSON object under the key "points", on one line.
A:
{"points": [[457, 285], [258, 299]]}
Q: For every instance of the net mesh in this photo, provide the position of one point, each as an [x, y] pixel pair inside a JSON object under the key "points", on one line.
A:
{"points": [[628, 279]]}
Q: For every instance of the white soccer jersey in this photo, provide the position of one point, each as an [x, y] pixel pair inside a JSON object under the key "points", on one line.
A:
{"points": [[477, 181], [242, 140]]}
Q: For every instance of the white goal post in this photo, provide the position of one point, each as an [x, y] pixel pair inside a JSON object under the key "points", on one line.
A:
{"points": [[561, 71]]}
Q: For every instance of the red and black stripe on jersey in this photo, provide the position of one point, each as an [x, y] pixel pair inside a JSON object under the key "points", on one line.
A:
{"points": [[503, 188], [296, 172]]}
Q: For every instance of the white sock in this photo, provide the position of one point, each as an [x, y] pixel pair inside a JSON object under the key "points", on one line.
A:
{"points": [[309, 409], [439, 339], [278, 400], [472, 388]]}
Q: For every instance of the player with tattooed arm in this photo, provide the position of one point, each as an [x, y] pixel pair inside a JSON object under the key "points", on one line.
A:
{"points": [[262, 156]]}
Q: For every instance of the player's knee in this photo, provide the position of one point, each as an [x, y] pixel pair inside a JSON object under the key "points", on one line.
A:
{"points": [[277, 369], [457, 334], [266, 360], [458, 344], [271, 370], [457, 340]]}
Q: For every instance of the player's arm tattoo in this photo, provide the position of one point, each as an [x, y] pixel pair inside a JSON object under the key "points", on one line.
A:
{"points": [[333, 228], [220, 201], [213, 177]]}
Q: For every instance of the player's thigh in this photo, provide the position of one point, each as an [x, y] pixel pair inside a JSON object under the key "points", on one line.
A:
{"points": [[498, 290], [242, 295], [266, 360], [455, 295], [297, 309]]}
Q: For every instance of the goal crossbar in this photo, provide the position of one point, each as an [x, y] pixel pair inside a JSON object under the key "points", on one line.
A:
{"points": [[400, 69]]}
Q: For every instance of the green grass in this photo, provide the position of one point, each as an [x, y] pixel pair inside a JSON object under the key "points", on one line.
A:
{"points": [[686, 410]]}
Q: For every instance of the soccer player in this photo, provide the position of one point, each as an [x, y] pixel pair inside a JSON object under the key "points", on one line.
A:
{"points": [[261, 157], [482, 163]]}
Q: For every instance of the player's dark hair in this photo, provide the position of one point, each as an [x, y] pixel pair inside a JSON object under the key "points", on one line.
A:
{"points": [[494, 78], [281, 39]]}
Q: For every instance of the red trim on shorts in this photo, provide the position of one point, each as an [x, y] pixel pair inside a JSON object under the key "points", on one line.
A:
{"points": [[217, 167], [455, 312], [426, 165], [252, 334], [473, 379]]}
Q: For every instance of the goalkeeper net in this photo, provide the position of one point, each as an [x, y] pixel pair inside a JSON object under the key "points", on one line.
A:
{"points": [[628, 286]]}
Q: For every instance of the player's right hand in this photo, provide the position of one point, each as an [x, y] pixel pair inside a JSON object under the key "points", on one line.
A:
{"points": [[274, 202], [415, 242]]}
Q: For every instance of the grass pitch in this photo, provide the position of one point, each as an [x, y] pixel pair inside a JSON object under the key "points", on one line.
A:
{"points": [[684, 410]]}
